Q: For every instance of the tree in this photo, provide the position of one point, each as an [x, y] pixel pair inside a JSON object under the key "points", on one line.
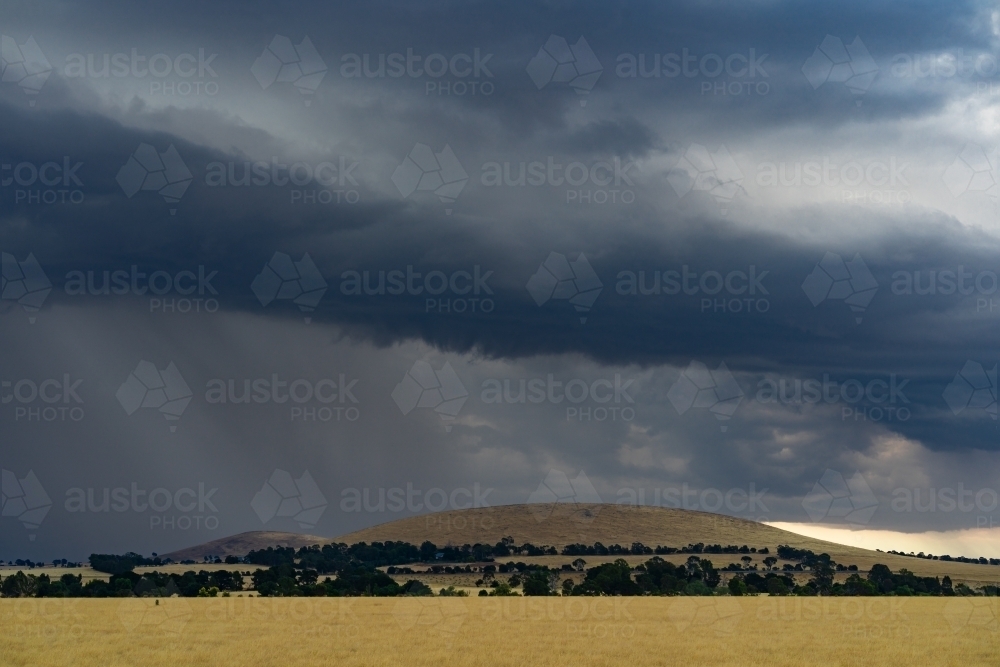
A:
{"points": [[697, 588], [822, 579], [416, 588], [855, 585], [881, 577], [19, 585], [770, 562], [503, 589], [609, 579], [711, 575], [737, 586], [537, 583], [775, 586], [427, 551]]}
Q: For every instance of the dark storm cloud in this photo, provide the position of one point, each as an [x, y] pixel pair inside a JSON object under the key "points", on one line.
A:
{"points": [[626, 141]]}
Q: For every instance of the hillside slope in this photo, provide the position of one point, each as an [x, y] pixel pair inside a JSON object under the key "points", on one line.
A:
{"points": [[561, 524], [241, 544]]}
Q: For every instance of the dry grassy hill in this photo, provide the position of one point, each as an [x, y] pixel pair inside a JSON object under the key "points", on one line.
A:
{"points": [[561, 524], [241, 544]]}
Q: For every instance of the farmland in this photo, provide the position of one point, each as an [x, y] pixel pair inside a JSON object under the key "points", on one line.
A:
{"points": [[243, 631]]}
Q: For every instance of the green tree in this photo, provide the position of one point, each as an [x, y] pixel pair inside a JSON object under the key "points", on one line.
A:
{"points": [[881, 578], [19, 585], [775, 586], [822, 579], [537, 583], [503, 589]]}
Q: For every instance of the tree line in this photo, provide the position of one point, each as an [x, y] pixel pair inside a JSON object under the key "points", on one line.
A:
{"points": [[340, 569]]}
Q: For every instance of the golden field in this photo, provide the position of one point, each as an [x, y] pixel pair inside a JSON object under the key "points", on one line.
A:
{"points": [[240, 632]]}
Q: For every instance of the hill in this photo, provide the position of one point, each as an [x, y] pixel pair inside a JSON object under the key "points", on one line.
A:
{"points": [[241, 544], [561, 524]]}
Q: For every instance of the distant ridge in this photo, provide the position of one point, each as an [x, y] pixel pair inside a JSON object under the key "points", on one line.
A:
{"points": [[567, 523], [242, 543]]}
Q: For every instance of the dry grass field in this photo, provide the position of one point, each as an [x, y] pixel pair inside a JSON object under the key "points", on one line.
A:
{"points": [[491, 632]]}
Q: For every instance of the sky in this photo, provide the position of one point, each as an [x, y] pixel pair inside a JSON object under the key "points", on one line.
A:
{"points": [[320, 267]]}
